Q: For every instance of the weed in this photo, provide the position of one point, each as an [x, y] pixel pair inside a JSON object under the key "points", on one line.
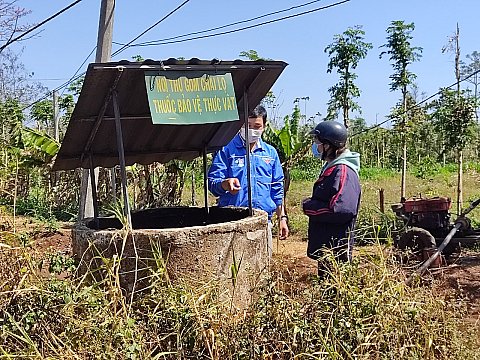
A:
{"points": [[25, 238], [59, 263]]}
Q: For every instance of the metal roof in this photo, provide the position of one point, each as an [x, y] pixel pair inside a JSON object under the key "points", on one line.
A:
{"points": [[92, 125]]}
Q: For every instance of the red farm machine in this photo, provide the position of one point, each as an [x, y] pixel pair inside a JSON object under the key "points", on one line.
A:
{"points": [[428, 230]]}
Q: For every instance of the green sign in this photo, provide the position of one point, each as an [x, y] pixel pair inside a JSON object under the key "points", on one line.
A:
{"points": [[184, 98]]}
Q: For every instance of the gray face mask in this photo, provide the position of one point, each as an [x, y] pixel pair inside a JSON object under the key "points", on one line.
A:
{"points": [[253, 135]]}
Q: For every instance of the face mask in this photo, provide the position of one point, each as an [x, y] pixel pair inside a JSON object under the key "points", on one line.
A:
{"points": [[253, 135], [315, 151]]}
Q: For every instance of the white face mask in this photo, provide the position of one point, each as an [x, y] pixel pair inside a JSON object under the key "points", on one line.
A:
{"points": [[253, 135]]}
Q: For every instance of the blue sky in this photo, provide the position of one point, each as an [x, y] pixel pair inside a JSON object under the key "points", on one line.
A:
{"points": [[62, 46]]}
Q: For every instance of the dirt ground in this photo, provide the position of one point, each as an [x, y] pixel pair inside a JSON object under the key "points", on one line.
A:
{"points": [[459, 280]]}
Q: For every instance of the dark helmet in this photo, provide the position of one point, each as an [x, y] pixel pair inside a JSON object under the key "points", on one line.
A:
{"points": [[331, 131]]}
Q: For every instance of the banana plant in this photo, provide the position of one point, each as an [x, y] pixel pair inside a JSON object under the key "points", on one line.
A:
{"points": [[290, 141], [39, 142]]}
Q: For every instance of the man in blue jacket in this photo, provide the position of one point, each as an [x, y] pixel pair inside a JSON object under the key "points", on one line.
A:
{"points": [[227, 176]]}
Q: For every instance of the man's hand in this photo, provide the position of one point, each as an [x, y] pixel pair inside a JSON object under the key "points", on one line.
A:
{"points": [[283, 228], [303, 203], [232, 185]]}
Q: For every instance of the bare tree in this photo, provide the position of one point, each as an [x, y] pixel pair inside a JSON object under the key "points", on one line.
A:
{"points": [[10, 16]]}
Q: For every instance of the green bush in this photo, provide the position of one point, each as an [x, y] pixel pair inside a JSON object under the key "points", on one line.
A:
{"points": [[374, 173], [426, 169], [372, 226], [307, 169]]}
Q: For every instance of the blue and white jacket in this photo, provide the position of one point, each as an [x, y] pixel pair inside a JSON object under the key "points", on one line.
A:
{"points": [[265, 171]]}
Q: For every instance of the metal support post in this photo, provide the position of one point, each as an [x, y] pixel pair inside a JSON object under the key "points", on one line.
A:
{"points": [[205, 182], [247, 149], [121, 155]]}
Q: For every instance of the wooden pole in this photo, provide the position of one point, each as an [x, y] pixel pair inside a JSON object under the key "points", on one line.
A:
{"points": [[381, 194], [104, 54]]}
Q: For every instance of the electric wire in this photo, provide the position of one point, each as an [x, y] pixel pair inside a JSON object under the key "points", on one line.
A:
{"points": [[225, 26], [80, 67], [161, 42], [150, 28], [11, 41], [75, 76], [65, 84]]}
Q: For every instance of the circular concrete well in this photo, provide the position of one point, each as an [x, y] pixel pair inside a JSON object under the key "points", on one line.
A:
{"points": [[186, 243]]}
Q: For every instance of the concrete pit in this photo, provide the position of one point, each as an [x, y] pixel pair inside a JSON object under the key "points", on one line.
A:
{"points": [[184, 241]]}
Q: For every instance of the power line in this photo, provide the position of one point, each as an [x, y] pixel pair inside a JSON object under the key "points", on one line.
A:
{"points": [[161, 42], [66, 83], [46, 79], [150, 28], [80, 67], [38, 25], [417, 104], [227, 25], [75, 76]]}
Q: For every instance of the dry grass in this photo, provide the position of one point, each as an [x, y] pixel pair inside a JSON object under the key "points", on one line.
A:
{"points": [[363, 310]]}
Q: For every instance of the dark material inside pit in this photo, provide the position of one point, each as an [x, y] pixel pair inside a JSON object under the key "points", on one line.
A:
{"points": [[173, 217]]}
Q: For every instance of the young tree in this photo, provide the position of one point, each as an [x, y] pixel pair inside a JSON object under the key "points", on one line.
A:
{"points": [[252, 55], [14, 79], [345, 53], [401, 53], [42, 113], [453, 117], [471, 73]]}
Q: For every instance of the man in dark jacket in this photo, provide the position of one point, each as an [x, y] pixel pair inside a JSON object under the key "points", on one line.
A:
{"points": [[332, 209]]}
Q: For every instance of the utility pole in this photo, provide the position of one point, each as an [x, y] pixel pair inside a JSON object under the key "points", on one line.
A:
{"points": [[56, 133], [104, 54]]}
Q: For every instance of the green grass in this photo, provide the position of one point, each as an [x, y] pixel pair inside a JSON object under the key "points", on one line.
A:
{"points": [[442, 183]]}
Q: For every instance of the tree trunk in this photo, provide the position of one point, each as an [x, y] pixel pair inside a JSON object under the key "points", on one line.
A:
{"points": [[15, 196], [404, 169], [404, 143], [194, 194], [148, 186], [460, 183], [378, 153], [286, 187], [383, 151], [346, 121]]}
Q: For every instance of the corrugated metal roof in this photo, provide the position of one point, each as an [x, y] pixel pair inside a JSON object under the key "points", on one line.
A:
{"points": [[145, 142]]}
